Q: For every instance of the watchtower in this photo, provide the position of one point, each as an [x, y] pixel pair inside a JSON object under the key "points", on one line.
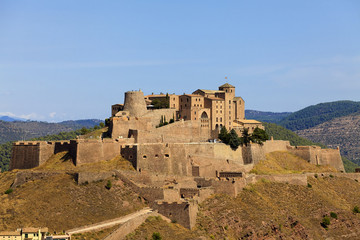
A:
{"points": [[135, 103]]}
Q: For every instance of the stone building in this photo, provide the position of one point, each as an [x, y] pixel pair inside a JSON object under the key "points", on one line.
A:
{"points": [[216, 108]]}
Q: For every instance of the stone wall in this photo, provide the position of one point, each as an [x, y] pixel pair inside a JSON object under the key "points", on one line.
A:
{"points": [[316, 155], [30, 154], [183, 213], [95, 150]]}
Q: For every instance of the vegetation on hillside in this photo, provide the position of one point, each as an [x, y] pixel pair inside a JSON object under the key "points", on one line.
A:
{"points": [[272, 117], [349, 165], [320, 113], [281, 133]]}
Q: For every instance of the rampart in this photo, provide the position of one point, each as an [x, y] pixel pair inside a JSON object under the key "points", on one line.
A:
{"points": [[30, 154], [318, 156], [183, 213]]}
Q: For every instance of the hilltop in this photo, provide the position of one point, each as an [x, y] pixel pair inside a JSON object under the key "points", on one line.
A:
{"points": [[272, 117], [318, 114]]}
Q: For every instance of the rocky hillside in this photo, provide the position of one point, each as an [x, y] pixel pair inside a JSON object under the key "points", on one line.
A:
{"points": [[342, 131]]}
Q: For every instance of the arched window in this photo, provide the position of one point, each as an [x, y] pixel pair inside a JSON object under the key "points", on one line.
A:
{"points": [[204, 115]]}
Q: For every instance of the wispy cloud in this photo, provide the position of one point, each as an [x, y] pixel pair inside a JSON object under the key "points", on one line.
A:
{"points": [[24, 116], [52, 115]]}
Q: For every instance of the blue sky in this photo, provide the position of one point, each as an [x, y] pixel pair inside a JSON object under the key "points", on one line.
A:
{"points": [[65, 59]]}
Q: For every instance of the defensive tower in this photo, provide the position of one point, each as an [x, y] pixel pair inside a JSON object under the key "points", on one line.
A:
{"points": [[135, 103]]}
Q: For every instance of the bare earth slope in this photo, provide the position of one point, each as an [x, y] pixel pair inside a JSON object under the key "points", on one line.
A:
{"points": [[342, 131], [56, 201]]}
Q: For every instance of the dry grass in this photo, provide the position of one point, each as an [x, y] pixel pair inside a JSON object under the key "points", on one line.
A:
{"points": [[59, 203], [166, 230], [283, 211], [63, 162], [283, 162], [95, 134]]}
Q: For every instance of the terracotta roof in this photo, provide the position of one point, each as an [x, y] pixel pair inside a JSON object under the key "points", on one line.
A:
{"points": [[10, 233], [210, 91], [237, 98], [193, 95], [30, 230], [226, 85]]}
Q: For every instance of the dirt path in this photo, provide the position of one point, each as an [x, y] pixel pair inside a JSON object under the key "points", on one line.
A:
{"points": [[111, 222]]}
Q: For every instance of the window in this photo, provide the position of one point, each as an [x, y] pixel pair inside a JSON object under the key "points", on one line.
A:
{"points": [[217, 111], [221, 119], [216, 106], [144, 157], [220, 106], [217, 119], [166, 155], [229, 118], [229, 101]]}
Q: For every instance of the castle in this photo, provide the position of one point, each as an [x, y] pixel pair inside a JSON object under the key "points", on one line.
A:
{"points": [[180, 149]]}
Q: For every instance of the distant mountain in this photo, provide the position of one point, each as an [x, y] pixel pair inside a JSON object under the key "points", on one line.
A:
{"points": [[272, 117], [10, 119], [317, 114], [76, 124], [13, 131]]}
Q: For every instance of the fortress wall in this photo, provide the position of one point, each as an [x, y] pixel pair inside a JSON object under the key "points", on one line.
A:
{"points": [[61, 146], [129, 152], [316, 155], [301, 151], [47, 149], [93, 150], [179, 131], [183, 213], [332, 157], [231, 188], [30, 154], [120, 126], [178, 158], [155, 115]]}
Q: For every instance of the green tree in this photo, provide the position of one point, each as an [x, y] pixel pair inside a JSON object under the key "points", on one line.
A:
{"points": [[102, 125], [156, 236], [108, 185], [245, 138], [224, 135], [234, 140], [259, 136]]}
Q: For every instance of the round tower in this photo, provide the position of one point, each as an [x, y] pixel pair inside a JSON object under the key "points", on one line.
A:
{"points": [[135, 103]]}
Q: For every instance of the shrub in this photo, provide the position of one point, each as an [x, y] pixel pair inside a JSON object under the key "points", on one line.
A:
{"points": [[325, 222], [309, 185], [333, 215], [10, 190], [331, 176], [356, 209], [316, 176], [156, 236], [108, 185]]}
